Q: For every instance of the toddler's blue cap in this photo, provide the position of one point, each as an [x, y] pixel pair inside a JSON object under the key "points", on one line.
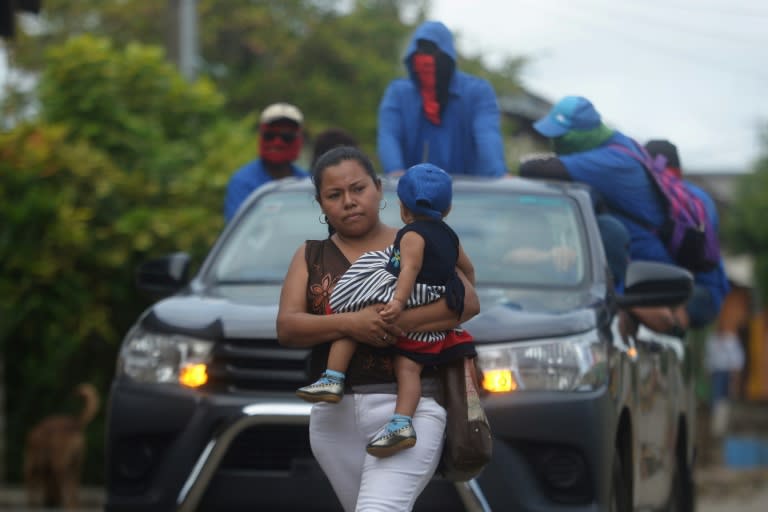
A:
{"points": [[425, 189], [570, 113]]}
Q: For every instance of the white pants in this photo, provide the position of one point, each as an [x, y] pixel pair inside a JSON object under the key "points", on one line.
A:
{"points": [[338, 434]]}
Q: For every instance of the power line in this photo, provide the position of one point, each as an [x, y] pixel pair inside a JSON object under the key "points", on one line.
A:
{"points": [[583, 23], [655, 22], [731, 10]]}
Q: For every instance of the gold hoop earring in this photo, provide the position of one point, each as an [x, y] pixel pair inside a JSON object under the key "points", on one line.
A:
{"points": [[323, 219], [385, 204]]}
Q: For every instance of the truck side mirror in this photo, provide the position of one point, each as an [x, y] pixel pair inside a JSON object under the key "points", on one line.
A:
{"points": [[164, 276]]}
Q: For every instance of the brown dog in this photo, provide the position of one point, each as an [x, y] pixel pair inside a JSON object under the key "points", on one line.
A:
{"points": [[54, 454]]}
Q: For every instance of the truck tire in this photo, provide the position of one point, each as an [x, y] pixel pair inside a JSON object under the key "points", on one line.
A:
{"points": [[620, 495]]}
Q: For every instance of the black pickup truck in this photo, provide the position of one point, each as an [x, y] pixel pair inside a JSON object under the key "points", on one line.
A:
{"points": [[202, 412]]}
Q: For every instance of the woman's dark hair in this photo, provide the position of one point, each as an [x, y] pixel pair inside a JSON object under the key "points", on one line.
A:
{"points": [[329, 139], [334, 157]]}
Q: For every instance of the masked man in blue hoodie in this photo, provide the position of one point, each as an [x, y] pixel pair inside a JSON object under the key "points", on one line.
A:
{"points": [[439, 114]]}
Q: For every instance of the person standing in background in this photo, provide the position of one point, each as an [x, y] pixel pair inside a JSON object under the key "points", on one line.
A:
{"points": [[329, 139], [438, 114], [280, 142]]}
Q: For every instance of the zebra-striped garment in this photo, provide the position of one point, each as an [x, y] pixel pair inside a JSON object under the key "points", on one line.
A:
{"points": [[368, 282]]}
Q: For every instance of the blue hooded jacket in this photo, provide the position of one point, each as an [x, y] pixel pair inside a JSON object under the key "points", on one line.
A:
{"points": [[467, 140]]}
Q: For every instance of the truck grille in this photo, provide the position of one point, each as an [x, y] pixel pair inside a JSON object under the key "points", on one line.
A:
{"points": [[274, 448], [244, 365]]}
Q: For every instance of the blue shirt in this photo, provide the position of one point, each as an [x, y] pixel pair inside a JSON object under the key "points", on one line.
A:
{"points": [[715, 281], [467, 140], [247, 179], [623, 184]]}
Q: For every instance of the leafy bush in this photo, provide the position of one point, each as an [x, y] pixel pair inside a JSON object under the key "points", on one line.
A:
{"points": [[125, 161]]}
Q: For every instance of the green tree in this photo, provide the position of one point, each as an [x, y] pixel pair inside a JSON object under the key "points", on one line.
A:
{"points": [[743, 228], [333, 63], [101, 180], [307, 52], [124, 159]]}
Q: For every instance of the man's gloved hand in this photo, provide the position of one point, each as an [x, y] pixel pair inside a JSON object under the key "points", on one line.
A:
{"points": [[537, 156]]}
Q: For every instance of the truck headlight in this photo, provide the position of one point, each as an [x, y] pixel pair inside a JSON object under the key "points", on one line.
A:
{"points": [[573, 363], [147, 356]]}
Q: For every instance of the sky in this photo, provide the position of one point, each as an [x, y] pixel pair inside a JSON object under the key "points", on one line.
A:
{"points": [[691, 71]]}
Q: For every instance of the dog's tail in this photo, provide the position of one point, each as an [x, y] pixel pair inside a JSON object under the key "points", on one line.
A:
{"points": [[91, 403]]}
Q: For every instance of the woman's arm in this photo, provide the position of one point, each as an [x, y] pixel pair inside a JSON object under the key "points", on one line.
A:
{"points": [[298, 328], [437, 316], [464, 264]]}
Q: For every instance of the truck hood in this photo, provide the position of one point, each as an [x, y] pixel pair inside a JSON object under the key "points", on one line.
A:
{"points": [[250, 311]]}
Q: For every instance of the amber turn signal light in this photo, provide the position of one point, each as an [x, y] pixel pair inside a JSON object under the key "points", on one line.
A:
{"points": [[193, 375], [499, 381]]}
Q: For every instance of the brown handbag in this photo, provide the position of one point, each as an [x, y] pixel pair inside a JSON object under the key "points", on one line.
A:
{"points": [[468, 441]]}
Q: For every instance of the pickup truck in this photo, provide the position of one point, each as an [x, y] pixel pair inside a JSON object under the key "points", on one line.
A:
{"points": [[203, 415]]}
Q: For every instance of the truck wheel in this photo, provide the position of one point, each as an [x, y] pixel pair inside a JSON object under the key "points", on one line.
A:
{"points": [[620, 497], [681, 496]]}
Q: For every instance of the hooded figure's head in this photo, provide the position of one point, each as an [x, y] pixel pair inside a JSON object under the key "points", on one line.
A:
{"points": [[431, 60]]}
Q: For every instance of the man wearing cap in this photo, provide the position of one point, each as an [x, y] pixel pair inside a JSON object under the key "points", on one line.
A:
{"points": [[585, 151], [439, 115], [280, 141], [588, 151]]}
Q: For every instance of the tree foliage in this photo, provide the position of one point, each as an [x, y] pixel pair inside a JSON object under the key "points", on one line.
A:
{"points": [[743, 227], [334, 63], [124, 159]]}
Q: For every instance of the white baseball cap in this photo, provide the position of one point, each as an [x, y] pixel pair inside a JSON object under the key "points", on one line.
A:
{"points": [[278, 111]]}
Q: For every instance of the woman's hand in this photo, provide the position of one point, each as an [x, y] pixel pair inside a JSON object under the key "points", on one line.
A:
{"points": [[367, 326]]}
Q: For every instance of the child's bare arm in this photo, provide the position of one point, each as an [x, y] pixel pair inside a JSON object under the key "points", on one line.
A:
{"points": [[411, 259], [391, 311], [465, 265]]}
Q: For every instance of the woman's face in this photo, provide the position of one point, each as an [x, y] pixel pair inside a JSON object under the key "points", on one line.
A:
{"points": [[350, 198]]}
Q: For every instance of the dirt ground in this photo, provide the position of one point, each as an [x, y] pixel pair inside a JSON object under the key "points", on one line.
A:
{"points": [[721, 490]]}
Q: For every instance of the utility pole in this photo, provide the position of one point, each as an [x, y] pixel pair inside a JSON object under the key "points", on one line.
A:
{"points": [[182, 38], [3, 447]]}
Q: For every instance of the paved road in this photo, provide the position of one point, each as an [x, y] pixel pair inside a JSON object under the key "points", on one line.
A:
{"points": [[719, 490], [749, 502], [14, 499]]}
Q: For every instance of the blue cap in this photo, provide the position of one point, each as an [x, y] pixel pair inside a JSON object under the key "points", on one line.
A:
{"points": [[425, 189], [570, 113]]}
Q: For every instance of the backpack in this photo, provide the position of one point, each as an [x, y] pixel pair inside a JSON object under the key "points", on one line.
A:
{"points": [[687, 232]]}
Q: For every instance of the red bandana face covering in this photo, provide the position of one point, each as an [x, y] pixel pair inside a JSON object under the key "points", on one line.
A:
{"points": [[425, 68], [675, 171], [279, 143]]}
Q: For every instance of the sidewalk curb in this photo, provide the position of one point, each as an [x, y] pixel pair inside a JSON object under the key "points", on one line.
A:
{"points": [[15, 498], [723, 481]]}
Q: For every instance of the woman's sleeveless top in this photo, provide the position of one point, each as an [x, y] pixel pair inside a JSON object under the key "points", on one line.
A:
{"points": [[326, 264]]}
